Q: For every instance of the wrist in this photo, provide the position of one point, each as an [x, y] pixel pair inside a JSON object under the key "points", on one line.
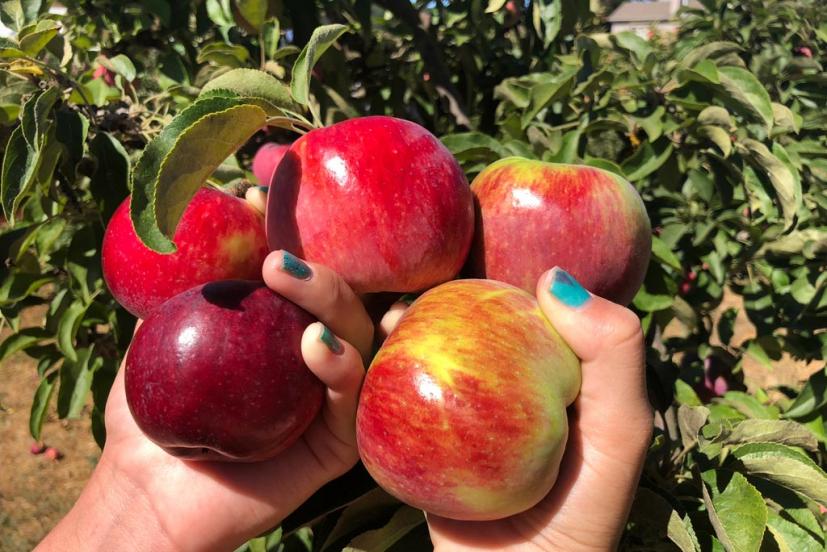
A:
{"points": [[112, 513]]}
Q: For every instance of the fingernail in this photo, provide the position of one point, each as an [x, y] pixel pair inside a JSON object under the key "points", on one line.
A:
{"points": [[328, 338], [566, 289], [263, 188], [295, 267], [408, 298]]}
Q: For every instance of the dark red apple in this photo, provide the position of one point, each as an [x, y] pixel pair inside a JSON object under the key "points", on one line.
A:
{"points": [[463, 409], [219, 237], [379, 200], [266, 160], [534, 215], [216, 373]]}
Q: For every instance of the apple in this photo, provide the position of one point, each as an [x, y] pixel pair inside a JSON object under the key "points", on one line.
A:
{"points": [[219, 237], [102, 72], [463, 409], [533, 215], [216, 373], [379, 200], [266, 160]]}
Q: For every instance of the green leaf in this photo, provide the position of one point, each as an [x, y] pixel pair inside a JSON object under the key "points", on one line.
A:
{"points": [[544, 93], [40, 403], [745, 93], [716, 116], [738, 514], [38, 36], [654, 511], [254, 12], [271, 34], [221, 53], [717, 136], [811, 398], [647, 159], [685, 395], [781, 174], [71, 130], [690, 421], [784, 466], [110, 181], [403, 521], [495, 5], [712, 50], [791, 537], [179, 160], [21, 341], [120, 65], [361, 512], [705, 71], [321, 39], [664, 254], [252, 84], [75, 383], [784, 120], [68, 327], [469, 145], [770, 431], [9, 49], [629, 40]]}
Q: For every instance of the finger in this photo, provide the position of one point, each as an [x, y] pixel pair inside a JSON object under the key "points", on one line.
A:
{"points": [[339, 366], [608, 339], [257, 197], [323, 293], [391, 318]]}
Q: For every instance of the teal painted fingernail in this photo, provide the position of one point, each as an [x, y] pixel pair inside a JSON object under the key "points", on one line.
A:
{"points": [[408, 298], [332, 342], [295, 267], [264, 189], [567, 290]]}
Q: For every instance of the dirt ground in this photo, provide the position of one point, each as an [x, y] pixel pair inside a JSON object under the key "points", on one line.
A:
{"points": [[36, 492]]}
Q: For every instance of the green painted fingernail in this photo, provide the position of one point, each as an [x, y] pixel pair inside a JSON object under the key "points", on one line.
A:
{"points": [[567, 290], [329, 338], [264, 189], [295, 267]]}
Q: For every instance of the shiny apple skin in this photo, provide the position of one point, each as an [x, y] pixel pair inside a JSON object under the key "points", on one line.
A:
{"points": [[533, 215], [216, 373], [379, 200], [463, 409], [266, 160], [219, 237]]}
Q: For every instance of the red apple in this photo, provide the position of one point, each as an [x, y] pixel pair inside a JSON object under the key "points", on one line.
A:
{"points": [[102, 72], [219, 237], [463, 410], [380, 200], [266, 160], [534, 215], [216, 373]]}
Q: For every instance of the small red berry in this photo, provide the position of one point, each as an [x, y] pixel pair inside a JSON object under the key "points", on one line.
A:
{"points": [[37, 447], [805, 51], [685, 287], [692, 276]]}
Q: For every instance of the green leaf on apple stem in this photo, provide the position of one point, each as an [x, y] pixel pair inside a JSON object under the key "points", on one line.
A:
{"points": [[404, 520], [252, 84], [179, 160], [785, 466], [75, 382], [321, 39]]}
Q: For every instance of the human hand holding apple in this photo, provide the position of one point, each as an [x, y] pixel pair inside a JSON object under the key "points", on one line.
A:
{"points": [[140, 493]]}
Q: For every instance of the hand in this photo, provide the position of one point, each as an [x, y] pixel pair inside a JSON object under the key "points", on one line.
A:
{"points": [[141, 497], [610, 426]]}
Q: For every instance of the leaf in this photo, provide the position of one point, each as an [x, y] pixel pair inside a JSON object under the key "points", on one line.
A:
{"points": [[629, 40], [271, 34], [705, 71], [716, 116], [9, 49], [653, 510], [712, 50], [770, 431], [110, 181], [495, 5], [38, 37], [68, 327], [785, 182], [738, 514], [543, 93], [71, 130], [811, 398], [21, 341], [40, 403], [664, 254], [784, 120], [120, 65], [685, 395], [690, 421], [359, 513], [791, 537], [321, 39], [784, 466], [20, 164], [717, 136], [745, 93], [179, 159], [75, 383], [221, 53], [647, 159], [404, 520], [467, 145], [254, 12], [252, 84]]}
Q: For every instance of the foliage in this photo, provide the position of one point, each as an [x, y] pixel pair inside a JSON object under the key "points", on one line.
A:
{"points": [[719, 128]]}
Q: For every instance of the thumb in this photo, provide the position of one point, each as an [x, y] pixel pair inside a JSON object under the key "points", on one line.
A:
{"points": [[609, 342]]}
